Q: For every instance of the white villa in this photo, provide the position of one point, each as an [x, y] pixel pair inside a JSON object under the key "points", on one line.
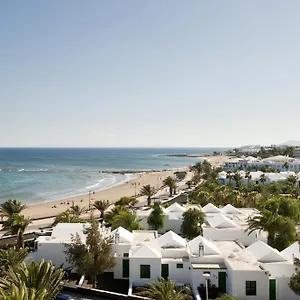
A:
{"points": [[239, 264], [227, 223], [279, 162]]}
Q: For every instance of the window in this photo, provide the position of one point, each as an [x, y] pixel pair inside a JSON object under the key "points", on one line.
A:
{"points": [[125, 254], [250, 288], [145, 271], [179, 266]]}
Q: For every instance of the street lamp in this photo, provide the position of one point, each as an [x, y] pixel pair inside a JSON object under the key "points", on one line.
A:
{"points": [[135, 184], [206, 276], [90, 192], [158, 178]]}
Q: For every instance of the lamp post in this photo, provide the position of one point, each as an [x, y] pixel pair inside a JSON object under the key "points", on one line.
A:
{"points": [[206, 276], [135, 184], [90, 192], [157, 185]]}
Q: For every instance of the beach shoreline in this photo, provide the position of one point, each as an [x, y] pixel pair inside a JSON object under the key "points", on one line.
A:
{"points": [[112, 194]]}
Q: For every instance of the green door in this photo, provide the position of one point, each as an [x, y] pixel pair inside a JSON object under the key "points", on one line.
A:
{"points": [[126, 268], [272, 289], [165, 271], [222, 282]]}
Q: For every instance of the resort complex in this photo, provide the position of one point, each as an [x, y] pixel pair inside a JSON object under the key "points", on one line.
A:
{"points": [[203, 232]]}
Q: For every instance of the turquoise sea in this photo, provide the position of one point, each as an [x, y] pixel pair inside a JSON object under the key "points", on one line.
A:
{"points": [[43, 174]]}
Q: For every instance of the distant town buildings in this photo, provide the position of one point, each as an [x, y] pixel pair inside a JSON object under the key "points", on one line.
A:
{"points": [[296, 152], [278, 163]]}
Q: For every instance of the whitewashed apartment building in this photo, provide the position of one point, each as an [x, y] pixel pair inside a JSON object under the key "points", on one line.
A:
{"points": [[280, 163]]}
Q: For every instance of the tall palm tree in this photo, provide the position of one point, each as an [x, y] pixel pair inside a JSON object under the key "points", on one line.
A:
{"points": [[171, 183], [11, 257], [41, 277], [102, 206], [262, 178], [11, 207], [17, 224], [248, 176], [67, 217], [148, 191], [265, 221], [77, 211], [237, 178], [198, 168], [164, 289], [127, 220]]}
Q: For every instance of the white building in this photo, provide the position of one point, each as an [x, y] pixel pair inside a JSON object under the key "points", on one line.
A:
{"points": [[296, 152], [279, 163], [255, 177], [256, 272]]}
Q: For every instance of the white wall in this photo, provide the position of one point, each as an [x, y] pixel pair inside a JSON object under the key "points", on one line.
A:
{"points": [[283, 290], [52, 252], [197, 276], [238, 284], [155, 270], [179, 275]]}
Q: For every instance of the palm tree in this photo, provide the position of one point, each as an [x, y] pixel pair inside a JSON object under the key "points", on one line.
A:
{"points": [[102, 206], [11, 257], [237, 178], [77, 211], [11, 207], [198, 168], [127, 220], [17, 224], [148, 191], [265, 221], [248, 176], [262, 178], [67, 217], [21, 292], [164, 289], [171, 183], [41, 277], [229, 176]]}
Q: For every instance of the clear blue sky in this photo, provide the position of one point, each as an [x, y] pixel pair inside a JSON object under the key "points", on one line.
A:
{"points": [[149, 73]]}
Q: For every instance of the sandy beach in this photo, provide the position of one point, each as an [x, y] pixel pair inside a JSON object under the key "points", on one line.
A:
{"points": [[113, 194]]}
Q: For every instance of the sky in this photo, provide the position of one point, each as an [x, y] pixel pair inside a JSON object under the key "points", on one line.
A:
{"points": [[149, 73]]}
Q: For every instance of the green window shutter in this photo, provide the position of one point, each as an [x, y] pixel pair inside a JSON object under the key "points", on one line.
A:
{"points": [[145, 271], [250, 288]]}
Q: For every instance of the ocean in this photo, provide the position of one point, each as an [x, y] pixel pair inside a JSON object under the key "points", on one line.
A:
{"points": [[35, 175]]}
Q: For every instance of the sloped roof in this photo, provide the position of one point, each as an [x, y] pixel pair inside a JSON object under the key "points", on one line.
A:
{"points": [[175, 207], [210, 208], [291, 252], [264, 253], [221, 221], [230, 209], [171, 240], [145, 251], [125, 236], [209, 247]]}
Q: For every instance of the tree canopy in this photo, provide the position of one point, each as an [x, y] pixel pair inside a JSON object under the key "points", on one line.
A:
{"points": [[193, 219], [156, 218], [94, 256]]}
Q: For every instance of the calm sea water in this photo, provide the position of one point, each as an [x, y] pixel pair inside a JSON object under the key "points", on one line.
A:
{"points": [[43, 174]]}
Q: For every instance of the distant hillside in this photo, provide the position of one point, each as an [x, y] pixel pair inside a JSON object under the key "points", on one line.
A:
{"points": [[291, 143]]}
